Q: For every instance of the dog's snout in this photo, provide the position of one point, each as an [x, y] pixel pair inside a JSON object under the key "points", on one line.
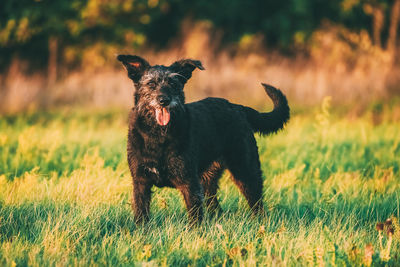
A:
{"points": [[164, 100]]}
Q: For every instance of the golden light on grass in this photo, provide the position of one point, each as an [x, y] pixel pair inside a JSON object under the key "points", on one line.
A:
{"points": [[325, 195], [261, 231], [389, 229], [146, 252], [368, 253]]}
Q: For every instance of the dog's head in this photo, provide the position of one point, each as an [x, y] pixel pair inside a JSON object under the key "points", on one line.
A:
{"points": [[159, 89]]}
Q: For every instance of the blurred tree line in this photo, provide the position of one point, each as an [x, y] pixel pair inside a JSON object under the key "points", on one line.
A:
{"points": [[48, 33]]}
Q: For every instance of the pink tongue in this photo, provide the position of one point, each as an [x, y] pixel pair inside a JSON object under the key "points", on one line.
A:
{"points": [[162, 116]]}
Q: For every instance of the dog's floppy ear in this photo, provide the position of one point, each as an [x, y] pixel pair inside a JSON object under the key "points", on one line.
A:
{"points": [[135, 66], [185, 67]]}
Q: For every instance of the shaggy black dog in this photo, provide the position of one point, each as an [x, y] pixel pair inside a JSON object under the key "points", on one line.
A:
{"points": [[187, 146]]}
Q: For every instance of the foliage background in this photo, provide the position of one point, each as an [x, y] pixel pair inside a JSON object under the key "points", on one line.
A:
{"points": [[64, 51]]}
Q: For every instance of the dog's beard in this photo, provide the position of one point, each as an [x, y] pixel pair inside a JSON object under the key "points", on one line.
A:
{"points": [[161, 115]]}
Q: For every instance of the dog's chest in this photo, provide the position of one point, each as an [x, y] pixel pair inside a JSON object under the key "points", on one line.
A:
{"points": [[157, 173], [158, 157], [157, 166]]}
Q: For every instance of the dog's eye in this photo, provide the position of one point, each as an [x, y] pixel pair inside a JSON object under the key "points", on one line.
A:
{"points": [[173, 83], [151, 84]]}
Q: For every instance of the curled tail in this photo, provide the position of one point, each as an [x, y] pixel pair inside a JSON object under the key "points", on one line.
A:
{"points": [[270, 122]]}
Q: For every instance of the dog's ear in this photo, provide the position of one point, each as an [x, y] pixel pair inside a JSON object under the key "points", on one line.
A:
{"points": [[185, 67], [135, 66]]}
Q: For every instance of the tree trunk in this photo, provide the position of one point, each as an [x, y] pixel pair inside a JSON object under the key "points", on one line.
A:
{"points": [[378, 18], [394, 21], [52, 63]]}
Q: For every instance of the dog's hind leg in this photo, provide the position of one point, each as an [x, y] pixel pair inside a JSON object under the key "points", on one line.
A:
{"points": [[250, 183], [244, 164], [209, 180]]}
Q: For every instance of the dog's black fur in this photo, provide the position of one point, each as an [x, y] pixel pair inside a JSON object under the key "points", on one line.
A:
{"points": [[189, 145]]}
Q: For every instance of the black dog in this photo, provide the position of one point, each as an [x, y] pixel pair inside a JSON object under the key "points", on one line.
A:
{"points": [[187, 146]]}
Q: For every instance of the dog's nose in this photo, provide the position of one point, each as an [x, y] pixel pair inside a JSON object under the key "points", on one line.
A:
{"points": [[164, 100]]}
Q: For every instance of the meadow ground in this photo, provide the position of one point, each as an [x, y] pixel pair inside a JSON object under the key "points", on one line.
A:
{"points": [[65, 193]]}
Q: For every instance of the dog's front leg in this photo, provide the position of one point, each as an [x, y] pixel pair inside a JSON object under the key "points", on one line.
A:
{"points": [[141, 200], [194, 196], [141, 185]]}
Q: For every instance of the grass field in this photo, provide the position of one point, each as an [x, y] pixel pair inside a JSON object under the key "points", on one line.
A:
{"points": [[65, 193]]}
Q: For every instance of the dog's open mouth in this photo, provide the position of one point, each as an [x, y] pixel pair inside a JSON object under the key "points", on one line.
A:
{"points": [[162, 116]]}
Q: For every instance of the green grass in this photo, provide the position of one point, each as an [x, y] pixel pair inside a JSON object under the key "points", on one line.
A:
{"points": [[65, 193]]}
